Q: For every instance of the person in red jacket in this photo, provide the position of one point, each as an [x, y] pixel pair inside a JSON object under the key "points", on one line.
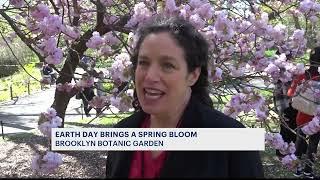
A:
{"points": [[302, 119]]}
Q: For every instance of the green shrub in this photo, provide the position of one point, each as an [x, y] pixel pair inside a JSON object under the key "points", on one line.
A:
{"points": [[9, 63], [19, 83]]}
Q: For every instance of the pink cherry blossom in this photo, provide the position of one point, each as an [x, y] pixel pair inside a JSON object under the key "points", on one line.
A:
{"points": [[51, 113], [261, 115], [170, 6], [268, 137], [71, 33], [195, 3], [98, 102], [67, 87], [197, 21], [47, 163], [17, 3], [291, 148], [95, 41], [185, 11], [53, 54], [32, 25], [141, 14], [299, 69], [106, 50], [279, 33], [306, 6], [237, 71], [51, 25], [45, 128], [218, 74], [122, 103], [312, 127], [206, 11], [110, 39], [277, 141], [289, 161], [56, 121], [272, 69], [54, 57], [121, 67], [40, 11], [314, 19]]}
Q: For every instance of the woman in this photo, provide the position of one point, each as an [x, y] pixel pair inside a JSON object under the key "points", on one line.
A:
{"points": [[302, 119], [171, 80]]}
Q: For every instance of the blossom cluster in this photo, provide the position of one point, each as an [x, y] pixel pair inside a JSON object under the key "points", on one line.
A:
{"points": [[313, 126], [283, 70], [121, 68], [311, 9], [48, 120], [66, 87], [246, 101], [103, 43], [276, 141], [47, 163], [123, 101]]}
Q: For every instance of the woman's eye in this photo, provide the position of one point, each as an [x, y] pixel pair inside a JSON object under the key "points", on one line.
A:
{"points": [[168, 66], [142, 63]]}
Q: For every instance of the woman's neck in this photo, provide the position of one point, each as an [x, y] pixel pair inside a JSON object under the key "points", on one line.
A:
{"points": [[170, 119]]}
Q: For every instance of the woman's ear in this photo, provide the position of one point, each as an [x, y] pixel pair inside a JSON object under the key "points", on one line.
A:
{"points": [[194, 76]]}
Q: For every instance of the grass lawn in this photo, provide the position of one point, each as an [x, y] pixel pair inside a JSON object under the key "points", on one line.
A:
{"points": [[19, 82]]}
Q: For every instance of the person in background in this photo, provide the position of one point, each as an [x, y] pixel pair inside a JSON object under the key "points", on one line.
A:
{"points": [[100, 89], [48, 71], [285, 110], [99, 84], [170, 66], [86, 95], [302, 119], [87, 63]]}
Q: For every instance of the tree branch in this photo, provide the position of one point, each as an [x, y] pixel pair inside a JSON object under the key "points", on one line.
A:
{"points": [[75, 21], [56, 9], [20, 34], [101, 10]]}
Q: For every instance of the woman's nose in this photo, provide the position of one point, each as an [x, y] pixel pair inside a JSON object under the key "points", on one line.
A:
{"points": [[152, 74]]}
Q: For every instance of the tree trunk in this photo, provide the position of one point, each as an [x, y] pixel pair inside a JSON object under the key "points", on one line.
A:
{"points": [[61, 99]]}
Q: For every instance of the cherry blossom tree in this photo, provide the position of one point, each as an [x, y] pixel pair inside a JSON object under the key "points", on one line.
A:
{"points": [[243, 36]]}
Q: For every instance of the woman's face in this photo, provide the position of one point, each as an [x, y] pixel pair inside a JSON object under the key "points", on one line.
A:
{"points": [[161, 78]]}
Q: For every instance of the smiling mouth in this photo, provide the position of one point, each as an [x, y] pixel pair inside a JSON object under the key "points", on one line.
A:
{"points": [[153, 94]]}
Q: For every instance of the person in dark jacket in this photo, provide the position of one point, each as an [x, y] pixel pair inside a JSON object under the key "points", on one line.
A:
{"points": [[171, 91], [86, 95], [46, 69]]}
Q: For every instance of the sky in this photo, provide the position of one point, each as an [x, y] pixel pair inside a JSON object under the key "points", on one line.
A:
{"points": [[3, 1]]}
